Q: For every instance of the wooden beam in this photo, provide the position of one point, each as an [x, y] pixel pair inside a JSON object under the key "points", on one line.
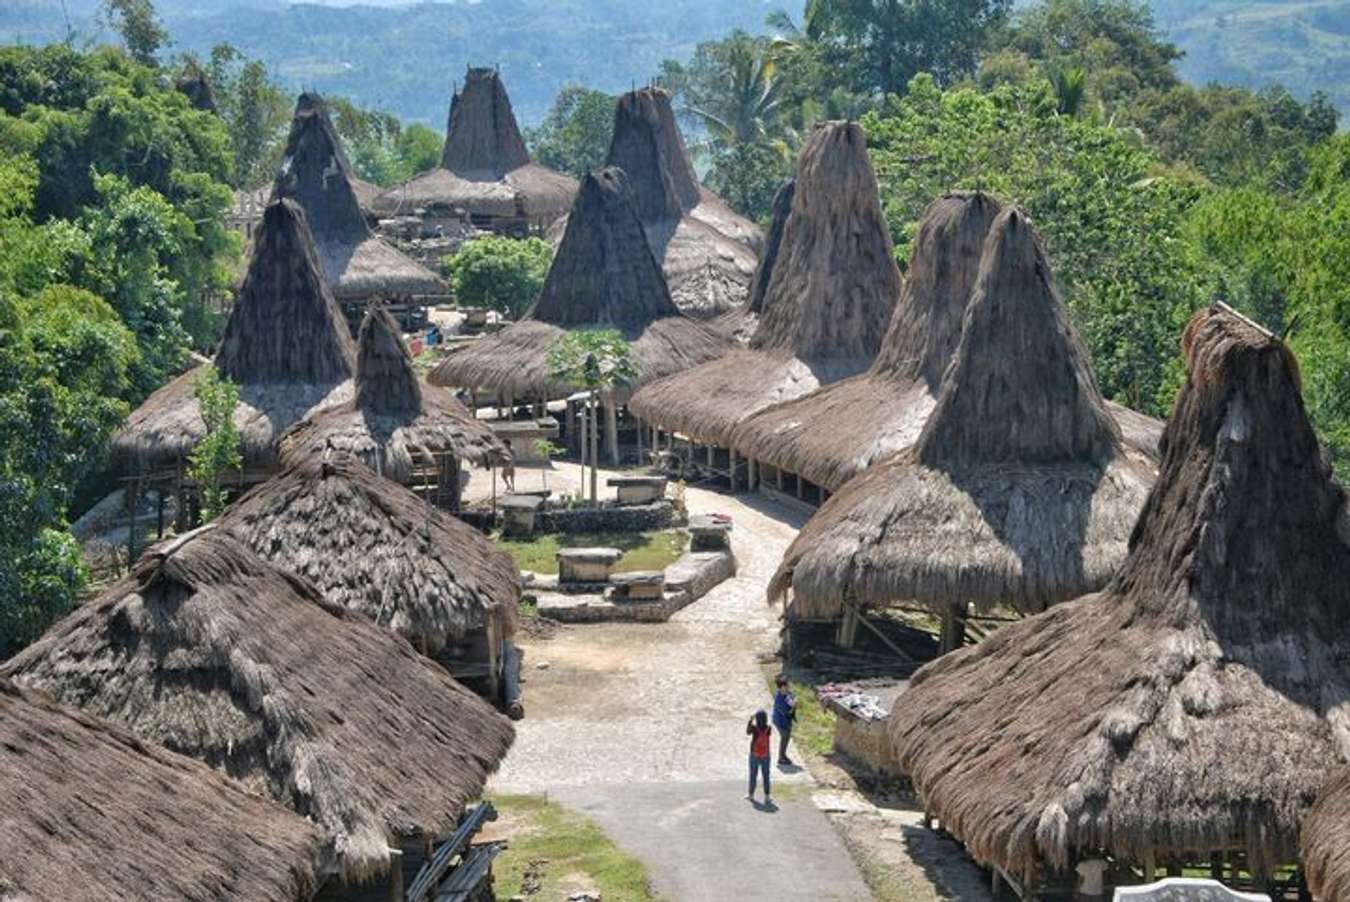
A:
{"points": [[732, 453]]}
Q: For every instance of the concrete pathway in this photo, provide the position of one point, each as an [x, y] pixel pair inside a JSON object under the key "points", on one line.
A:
{"points": [[642, 726]]}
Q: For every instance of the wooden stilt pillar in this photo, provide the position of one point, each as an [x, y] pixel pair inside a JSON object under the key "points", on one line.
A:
{"points": [[612, 428], [778, 475], [731, 454], [159, 512], [711, 458], [847, 633], [638, 423], [751, 474], [798, 478], [953, 629]]}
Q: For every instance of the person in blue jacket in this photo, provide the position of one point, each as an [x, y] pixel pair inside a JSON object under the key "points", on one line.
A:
{"points": [[784, 713]]}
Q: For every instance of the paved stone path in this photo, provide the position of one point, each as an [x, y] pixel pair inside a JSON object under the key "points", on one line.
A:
{"points": [[641, 726]]}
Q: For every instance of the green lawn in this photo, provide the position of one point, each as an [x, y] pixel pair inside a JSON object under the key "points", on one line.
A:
{"points": [[562, 848], [641, 551]]}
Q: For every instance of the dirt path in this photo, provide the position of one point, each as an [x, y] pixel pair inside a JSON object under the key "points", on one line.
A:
{"points": [[641, 726]]}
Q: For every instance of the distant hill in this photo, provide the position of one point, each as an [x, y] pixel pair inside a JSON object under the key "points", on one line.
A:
{"points": [[404, 58]]}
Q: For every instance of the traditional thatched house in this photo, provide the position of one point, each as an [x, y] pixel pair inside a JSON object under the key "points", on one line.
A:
{"points": [[706, 249], [359, 267], [603, 277], [1019, 489], [286, 346], [485, 172], [742, 321], [218, 655], [374, 547], [93, 813], [1191, 712], [830, 292], [832, 435], [1324, 844], [415, 434]]}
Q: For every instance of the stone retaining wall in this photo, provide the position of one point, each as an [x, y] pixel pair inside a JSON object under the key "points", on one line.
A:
{"points": [[687, 580]]}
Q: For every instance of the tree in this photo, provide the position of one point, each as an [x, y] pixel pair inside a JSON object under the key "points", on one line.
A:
{"points": [[597, 361], [419, 148], [574, 136], [499, 273], [747, 177], [256, 112], [219, 450], [137, 23]]}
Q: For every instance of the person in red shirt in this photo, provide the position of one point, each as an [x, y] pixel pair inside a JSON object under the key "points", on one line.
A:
{"points": [[759, 731]]}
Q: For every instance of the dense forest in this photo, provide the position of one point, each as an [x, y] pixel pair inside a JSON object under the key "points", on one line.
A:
{"points": [[1154, 196]]}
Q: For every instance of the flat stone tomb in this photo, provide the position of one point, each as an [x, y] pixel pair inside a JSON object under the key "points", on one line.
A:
{"points": [[586, 565], [709, 533], [639, 585]]}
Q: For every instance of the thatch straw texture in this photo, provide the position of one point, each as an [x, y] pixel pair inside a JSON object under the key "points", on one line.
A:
{"points": [[485, 169], [1199, 702], [286, 346], [374, 547], [603, 277], [394, 424], [1018, 490], [93, 813], [832, 286], [706, 250], [212, 652], [315, 174], [1324, 845], [742, 321]]}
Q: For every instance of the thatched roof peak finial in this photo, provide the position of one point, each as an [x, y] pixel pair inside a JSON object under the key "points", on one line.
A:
{"points": [[943, 266], [648, 147], [285, 326], [385, 379], [315, 173], [604, 274], [482, 139], [1019, 389], [835, 281]]}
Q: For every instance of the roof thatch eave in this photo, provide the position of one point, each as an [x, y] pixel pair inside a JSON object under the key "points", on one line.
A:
{"points": [[532, 191], [1199, 702], [1324, 844], [93, 813], [374, 547], [218, 655]]}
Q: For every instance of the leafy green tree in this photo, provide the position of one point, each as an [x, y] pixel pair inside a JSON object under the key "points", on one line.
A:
{"points": [[419, 148], [747, 176], [256, 111], [574, 136], [599, 362], [219, 451], [139, 26], [499, 273]]}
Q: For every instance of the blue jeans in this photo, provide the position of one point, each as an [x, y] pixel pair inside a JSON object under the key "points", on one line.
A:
{"points": [[757, 765]]}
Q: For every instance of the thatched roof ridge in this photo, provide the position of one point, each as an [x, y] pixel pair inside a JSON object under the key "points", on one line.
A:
{"points": [[834, 433], [1324, 843], [286, 346], [603, 276], [374, 547], [315, 173], [647, 145], [1018, 489], [482, 140], [93, 813], [395, 423], [217, 655], [1199, 702], [832, 286]]}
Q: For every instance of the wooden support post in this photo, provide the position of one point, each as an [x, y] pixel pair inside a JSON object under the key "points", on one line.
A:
{"points": [[953, 629], [751, 474], [711, 459], [133, 501], [584, 436], [638, 424], [732, 457], [798, 477], [612, 428], [595, 450], [778, 473], [847, 634], [159, 512]]}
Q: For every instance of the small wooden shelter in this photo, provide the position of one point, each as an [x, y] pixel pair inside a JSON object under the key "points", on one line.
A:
{"points": [[415, 434], [604, 276], [1019, 490], [706, 249], [486, 173], [374, 547], [1189, 714], [286, 347], [358, 266], [212, 652], [93, 813], [831, 287]]}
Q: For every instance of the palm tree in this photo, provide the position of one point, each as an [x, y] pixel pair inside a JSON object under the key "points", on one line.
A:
{"points": [[746, 108], [1070, 84]]}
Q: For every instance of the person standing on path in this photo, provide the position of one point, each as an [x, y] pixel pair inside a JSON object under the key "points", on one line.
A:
{"points": [[759, 731], [509, 468], [784, 713]]}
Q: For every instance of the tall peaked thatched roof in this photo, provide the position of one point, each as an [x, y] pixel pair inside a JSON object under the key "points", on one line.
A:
{"points": [[832, 285], [485, 168], [706, 250], [217, 655], [394, 423], [374, 547], [1199, 702], [315, 174], [603, 277], [93, 813], [193, 83], [832, 434], [742, 321], [286, 346], [1019, 489]]}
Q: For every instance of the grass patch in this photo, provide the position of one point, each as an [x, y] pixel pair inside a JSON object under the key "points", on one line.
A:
{"points": [[814, 729], [641, 550], [563, 843], [527, 608]]}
